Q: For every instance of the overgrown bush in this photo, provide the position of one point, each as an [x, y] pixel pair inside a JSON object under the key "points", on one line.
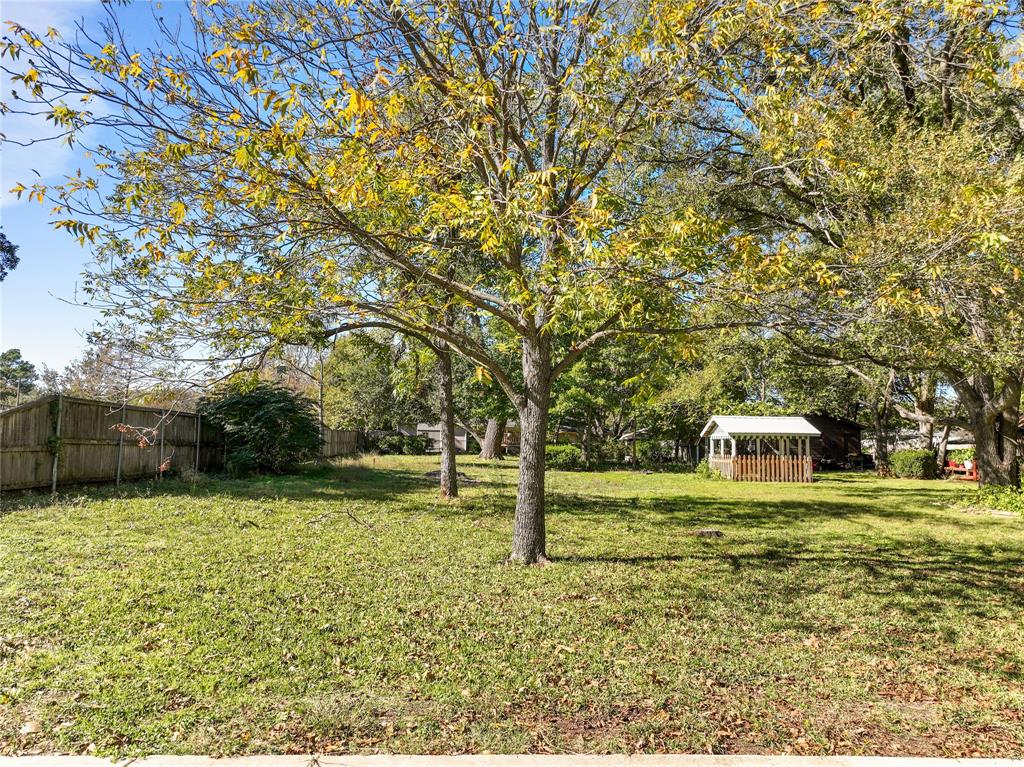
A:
{"points": [[564, 457], [400, 444], [913, 464], [1003, 498], [651, 452], [611, 451], [242, 462], [704, 471], [268, 427]]}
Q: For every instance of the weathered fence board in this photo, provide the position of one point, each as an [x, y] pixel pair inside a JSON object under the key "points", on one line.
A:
{"points": [[58, 440], [722, 465], [339, 442]]}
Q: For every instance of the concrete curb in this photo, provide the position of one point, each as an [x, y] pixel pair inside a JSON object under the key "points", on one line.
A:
{"points": [[524, 760]]}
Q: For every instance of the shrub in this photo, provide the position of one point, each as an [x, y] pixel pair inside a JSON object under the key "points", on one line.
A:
{"points": [[913, 464], [611, 451], [242, 462], [651, 452], [564, 457], [191, 477], [400, 444], [961, 455], [268, 428], [1003, 498], [704, 471]]}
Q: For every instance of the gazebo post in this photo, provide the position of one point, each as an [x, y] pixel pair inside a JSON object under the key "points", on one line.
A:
{"points": [[757, 446], [732, 452]]}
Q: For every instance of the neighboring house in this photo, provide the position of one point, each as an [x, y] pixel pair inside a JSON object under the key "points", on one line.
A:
{"points": [[428, 430], [433, 432], [959, 439], [907, 439], [561, 433], [840, 438]]}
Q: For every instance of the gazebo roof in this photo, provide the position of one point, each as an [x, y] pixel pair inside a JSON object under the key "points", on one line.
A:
{"points": [[731, 426]]}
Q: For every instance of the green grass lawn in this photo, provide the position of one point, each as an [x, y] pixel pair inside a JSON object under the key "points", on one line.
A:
{"points": [[347, 609]]}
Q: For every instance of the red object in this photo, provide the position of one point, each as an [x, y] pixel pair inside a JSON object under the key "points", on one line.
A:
{"points": [[962, 472]]}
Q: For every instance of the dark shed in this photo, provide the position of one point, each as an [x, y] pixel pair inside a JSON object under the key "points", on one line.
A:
{"points": [[840, 437]]}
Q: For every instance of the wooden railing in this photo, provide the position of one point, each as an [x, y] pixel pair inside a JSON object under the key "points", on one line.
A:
{"points": [[722, 465], [764, 468]]}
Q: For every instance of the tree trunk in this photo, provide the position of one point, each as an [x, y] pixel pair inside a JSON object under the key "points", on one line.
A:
{"points": [[492, 448], [880, 453], [924, 405], [990, 451], [880, 410], [320, 402], [994, 415], [449, 477], [528, 532], [925, 435], [586, 436], [995, 446], [943, 449]]}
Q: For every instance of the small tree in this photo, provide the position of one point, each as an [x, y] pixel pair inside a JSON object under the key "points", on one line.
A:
{"points": [[268, 427], [17, 377]]}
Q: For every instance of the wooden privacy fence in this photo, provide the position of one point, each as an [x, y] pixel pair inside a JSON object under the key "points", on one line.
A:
{"points": [[339, 442], [58, 440], [764, 468]]}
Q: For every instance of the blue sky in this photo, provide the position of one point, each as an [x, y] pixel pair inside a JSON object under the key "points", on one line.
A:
{"points": [[37, 311]]}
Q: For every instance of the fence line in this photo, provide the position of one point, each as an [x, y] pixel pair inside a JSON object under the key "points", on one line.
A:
{"points": [[58, 440]]}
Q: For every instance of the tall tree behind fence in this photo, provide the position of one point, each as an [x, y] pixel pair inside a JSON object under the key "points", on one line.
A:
{"points": [[59, 440]]}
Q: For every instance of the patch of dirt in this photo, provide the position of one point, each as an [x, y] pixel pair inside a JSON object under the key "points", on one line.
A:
{"points": [[463, 478]]}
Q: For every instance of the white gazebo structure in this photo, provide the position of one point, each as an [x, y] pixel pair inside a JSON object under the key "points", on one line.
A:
{"points": [[761, 448]]}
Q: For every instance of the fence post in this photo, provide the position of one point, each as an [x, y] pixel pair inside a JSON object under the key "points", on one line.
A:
{"points": [[160, 466], [120, 444], [56, 444], [199, 426]]}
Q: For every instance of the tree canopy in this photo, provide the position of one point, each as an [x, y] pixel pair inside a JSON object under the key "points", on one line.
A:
{"points": [[8, 256], [17, 376]]}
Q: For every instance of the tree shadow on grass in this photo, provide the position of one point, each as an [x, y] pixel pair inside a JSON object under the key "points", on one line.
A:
{"points": [[918, 577], [706, 511], [325, 482], [883, 551], [933, 591]]}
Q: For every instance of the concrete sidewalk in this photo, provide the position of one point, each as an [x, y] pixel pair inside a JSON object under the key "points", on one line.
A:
{"points": [[529, 760]]}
